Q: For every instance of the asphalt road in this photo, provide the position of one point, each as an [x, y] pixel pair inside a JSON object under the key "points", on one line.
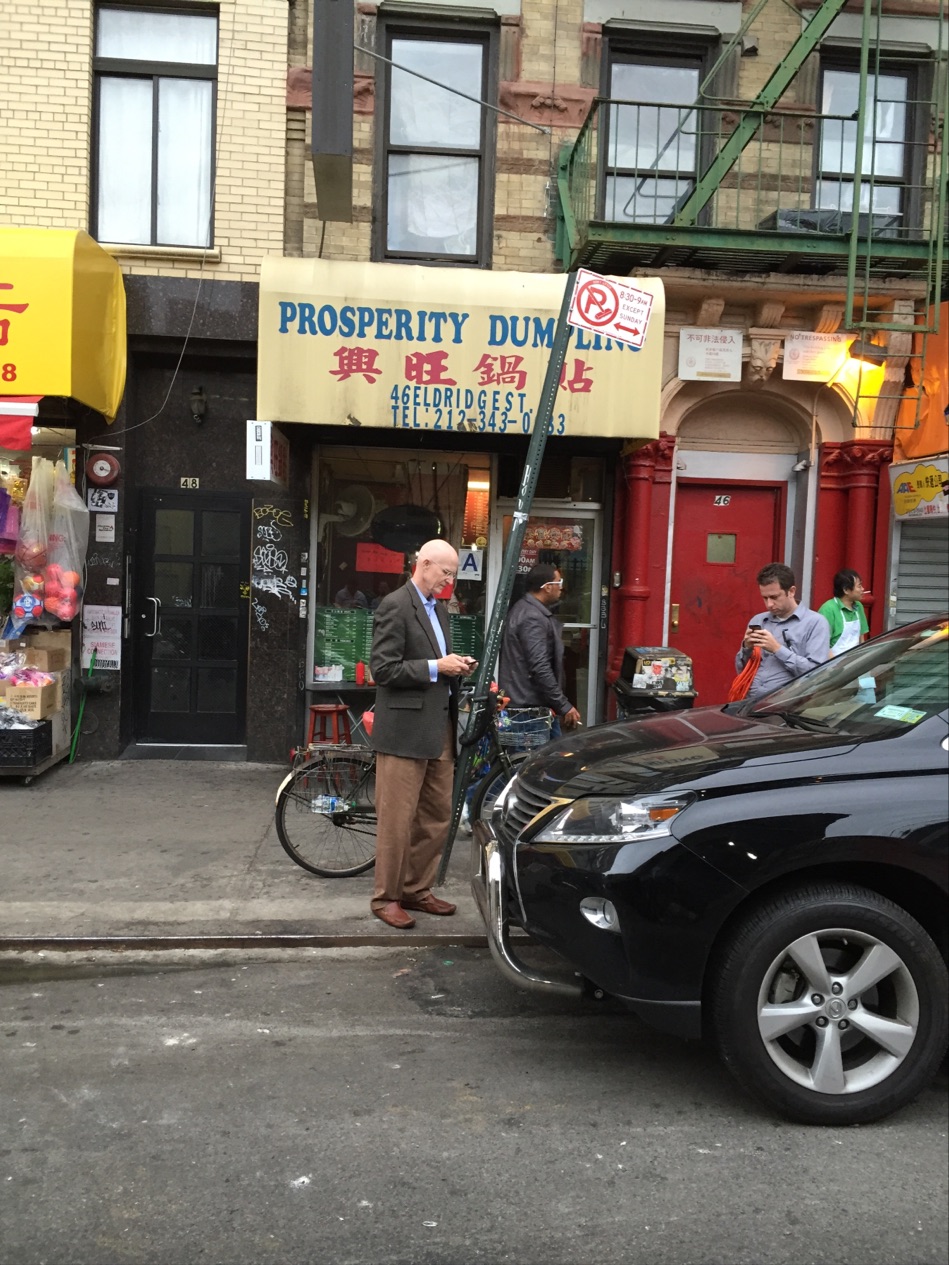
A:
{"points": [[373, 1106]]}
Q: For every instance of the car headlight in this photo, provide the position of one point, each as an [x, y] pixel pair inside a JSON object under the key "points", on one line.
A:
{"points": [[617, 820]]}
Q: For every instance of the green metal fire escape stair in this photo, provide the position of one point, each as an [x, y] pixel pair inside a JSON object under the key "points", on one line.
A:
{"points": [[750, 142]]}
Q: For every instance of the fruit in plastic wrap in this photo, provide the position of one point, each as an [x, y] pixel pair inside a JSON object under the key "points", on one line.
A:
{"points": [[31, 554]]}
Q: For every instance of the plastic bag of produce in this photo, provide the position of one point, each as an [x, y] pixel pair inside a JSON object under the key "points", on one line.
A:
{"points": [[30, 556], [66, 554]]}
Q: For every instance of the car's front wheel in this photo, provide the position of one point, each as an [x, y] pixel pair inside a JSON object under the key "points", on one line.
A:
{"points": [[829, 1003]]}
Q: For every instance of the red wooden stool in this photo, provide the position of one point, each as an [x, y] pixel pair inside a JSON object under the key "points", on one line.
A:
{"points": [[333, 723]]}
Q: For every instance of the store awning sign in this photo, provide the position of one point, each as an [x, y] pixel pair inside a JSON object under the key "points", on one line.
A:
{"points": [[921, 489], [445, 350], [62, 318]]}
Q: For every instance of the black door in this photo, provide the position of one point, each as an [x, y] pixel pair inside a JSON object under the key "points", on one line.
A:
{"points": [[190, 619]]}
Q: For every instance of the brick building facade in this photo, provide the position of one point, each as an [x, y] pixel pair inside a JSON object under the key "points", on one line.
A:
{"points": [[231, 670]]}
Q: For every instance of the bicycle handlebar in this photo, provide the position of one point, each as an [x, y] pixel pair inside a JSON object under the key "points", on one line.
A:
{"points": [[469, 739]]}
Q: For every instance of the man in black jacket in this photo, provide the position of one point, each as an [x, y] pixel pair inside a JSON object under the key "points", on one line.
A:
{"points": [[531, 669]]}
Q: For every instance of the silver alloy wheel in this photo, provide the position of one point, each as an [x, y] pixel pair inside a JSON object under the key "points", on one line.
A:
{"points": [[838, 1011]]}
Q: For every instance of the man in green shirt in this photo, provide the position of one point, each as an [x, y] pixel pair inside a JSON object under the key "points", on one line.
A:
{"points": [[845, 614]]}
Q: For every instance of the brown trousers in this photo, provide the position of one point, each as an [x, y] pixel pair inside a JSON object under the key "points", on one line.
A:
{"points": [[413, 807]]}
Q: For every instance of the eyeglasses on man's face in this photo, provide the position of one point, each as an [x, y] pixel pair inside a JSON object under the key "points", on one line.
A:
{"points": [[553, 584]]}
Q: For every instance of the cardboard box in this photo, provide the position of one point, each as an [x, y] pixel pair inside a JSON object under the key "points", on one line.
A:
{"points": [[48, 658], [56, 645], [36, 701]]}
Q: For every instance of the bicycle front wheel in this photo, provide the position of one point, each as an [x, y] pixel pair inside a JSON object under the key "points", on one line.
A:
{"points": [[326, 816], [493, 783]]}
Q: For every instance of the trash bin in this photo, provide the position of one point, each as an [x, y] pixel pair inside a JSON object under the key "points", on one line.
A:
{"points": [[653, 679]]}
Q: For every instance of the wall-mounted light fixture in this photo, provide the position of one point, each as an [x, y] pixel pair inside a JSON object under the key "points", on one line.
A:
{"points": [[869, 352], [199, 405]]}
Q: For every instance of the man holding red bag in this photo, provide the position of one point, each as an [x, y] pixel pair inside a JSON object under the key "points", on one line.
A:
{"points": [[790, 639]]}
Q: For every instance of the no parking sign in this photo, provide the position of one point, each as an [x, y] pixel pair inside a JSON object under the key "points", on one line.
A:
{"points": [[608, 306]]}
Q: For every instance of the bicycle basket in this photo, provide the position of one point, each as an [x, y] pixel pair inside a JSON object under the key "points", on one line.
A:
{"points": [[523, 728]]}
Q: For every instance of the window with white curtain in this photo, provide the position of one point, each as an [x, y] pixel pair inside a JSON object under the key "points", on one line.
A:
{"points": [[156, 75], [886, 149], [436, 183]]}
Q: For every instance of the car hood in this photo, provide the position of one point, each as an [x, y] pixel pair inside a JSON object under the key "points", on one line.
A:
{"points": [[707, 746]]}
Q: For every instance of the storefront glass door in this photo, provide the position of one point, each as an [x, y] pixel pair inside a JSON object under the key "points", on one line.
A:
{"points": [[569, 538]]}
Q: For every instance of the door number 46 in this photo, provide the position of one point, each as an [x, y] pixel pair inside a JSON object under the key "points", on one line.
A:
{"points": [[723, 499]]}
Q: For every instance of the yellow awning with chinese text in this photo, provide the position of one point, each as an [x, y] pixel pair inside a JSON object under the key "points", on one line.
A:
{"points": [[62, 318], [443, 349]]}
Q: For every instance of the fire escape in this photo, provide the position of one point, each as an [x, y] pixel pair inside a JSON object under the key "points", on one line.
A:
{"points": [[771, 186]]}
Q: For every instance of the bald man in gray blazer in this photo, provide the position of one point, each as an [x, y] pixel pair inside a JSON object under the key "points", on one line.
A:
{"points": [[413, 734]]}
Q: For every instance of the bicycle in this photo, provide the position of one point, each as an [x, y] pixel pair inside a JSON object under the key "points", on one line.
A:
{"points": [[325, 812], [325, 809], [507, 736]]}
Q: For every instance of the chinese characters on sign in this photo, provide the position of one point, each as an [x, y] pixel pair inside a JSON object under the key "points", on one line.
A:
{"points": [[408, 348], [710, 354], [921, 490], [466, 408], [8, 370]]}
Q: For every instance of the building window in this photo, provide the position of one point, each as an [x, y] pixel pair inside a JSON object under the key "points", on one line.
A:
{"points": [[155, 80], [437, 177], [653, 144], [377, 506], [887, 156]]}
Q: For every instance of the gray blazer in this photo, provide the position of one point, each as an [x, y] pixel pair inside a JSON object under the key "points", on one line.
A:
{"points": [[412, 712]]}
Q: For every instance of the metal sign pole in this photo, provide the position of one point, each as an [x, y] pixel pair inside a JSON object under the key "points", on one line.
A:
{"points": [[512, 551]]}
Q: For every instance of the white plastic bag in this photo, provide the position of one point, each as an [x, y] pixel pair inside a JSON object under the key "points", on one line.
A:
{"points": [[68, 540], [30, 556]]}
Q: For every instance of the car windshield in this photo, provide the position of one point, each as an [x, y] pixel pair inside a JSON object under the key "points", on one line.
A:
{"points": [[886, 686]]}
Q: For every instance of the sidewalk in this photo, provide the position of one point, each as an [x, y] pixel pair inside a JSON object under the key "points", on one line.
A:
{"points": [[173, 848]]}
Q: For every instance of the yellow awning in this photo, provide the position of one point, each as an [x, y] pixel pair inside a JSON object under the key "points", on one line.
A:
{"points": [[62, 318], [442, 349]]}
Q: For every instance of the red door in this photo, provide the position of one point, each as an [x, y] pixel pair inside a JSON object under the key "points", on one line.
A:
{"points": [[724, 535]]}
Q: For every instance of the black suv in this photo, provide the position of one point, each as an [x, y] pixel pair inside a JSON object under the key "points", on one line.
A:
{"points": [[770, 874]]}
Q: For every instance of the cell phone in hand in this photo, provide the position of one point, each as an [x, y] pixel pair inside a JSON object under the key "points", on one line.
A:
{"points": [[754, 628]]}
